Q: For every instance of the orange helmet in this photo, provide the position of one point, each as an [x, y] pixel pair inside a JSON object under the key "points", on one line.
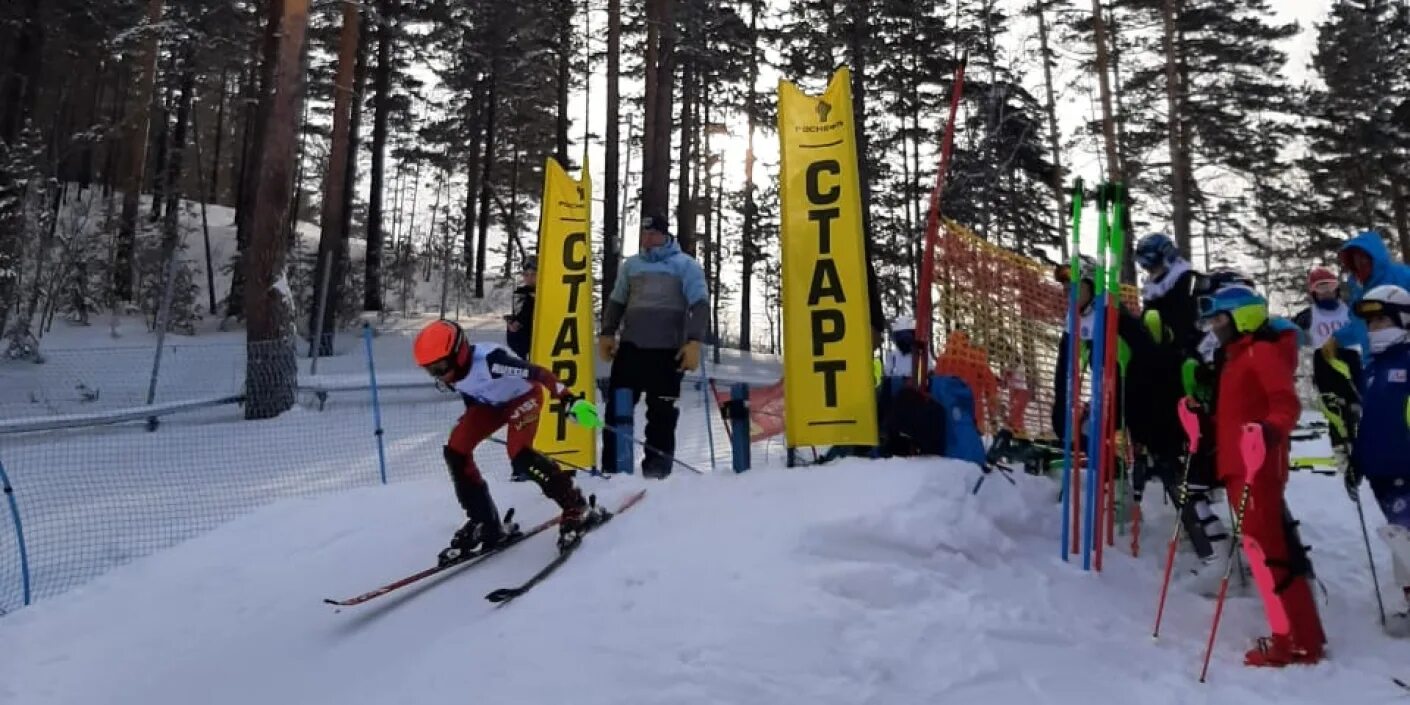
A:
{"points": [[441, 348]]}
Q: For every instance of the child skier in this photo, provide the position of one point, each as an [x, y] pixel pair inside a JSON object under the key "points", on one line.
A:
{"points": [[1169, 290], [1385, 388], [1256, 364], [499, 390]]}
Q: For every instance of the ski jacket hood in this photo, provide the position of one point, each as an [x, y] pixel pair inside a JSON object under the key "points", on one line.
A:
{"points": [[662, 253], [1384, 269]]}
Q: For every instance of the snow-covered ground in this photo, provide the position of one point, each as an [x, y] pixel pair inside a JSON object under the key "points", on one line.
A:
{"points": [[866, 582]]}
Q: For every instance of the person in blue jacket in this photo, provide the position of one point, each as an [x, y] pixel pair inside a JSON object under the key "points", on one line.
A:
{"points": [[1369, 264], [1382, 454], [652, 326]]}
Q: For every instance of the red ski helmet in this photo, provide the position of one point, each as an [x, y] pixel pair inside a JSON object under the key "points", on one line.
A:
{"points": [[1321, 279], [441, 349]]}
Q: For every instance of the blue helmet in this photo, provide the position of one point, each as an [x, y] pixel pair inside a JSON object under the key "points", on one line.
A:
{"points": [[1156, 249], [1247, 308]]}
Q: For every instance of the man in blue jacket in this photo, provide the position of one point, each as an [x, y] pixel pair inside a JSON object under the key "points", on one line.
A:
{"points": [[659, 309], [1384, 432]]}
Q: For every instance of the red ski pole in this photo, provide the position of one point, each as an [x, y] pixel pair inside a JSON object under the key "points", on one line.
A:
{"points": [[1191, 424], [1253, 451]]}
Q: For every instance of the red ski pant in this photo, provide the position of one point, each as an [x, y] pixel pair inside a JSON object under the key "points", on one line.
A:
{"points": [[1282, 583], [479, 422]]}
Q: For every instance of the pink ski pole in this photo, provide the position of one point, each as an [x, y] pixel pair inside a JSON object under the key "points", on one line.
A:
{"points": [[1190, 422], [1254, 451]]}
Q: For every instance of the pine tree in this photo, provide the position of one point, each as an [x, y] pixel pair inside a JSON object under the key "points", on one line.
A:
{"points": [[1358, 152]]}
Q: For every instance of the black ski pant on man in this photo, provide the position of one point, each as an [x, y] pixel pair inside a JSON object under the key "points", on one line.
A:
{"points": [[655, 374]]}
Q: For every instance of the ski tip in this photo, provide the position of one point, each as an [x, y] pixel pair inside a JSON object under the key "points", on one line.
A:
{"points": [[503, 595], [331, 601]]}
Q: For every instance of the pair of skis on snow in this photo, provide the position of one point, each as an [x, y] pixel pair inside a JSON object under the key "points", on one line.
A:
{"points": [[473, 558]]}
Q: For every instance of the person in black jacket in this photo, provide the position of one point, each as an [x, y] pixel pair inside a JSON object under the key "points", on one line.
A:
{"points": [[1169, 292], [520, 324]]}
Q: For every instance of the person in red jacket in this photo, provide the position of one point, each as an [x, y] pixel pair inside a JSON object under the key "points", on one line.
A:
{"points": [[500, 390], [1255, 366]]}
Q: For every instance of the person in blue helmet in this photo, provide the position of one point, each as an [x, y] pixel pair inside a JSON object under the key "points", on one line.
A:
{"points": [[1169, 292]]}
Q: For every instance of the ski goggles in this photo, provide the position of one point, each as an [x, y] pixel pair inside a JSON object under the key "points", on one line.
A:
{"points": [[1326, 286], [1148, 260], [440, 368], [1371, 309]]}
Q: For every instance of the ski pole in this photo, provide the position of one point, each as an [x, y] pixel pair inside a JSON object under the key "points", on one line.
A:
{"points": [[1191, 424], [649, 449], [560, 461], [1375, 582], [709, 425], [1254, 451]]}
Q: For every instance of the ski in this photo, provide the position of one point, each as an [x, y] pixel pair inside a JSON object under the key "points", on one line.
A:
{"points": [[464, 561], [503, 596], [1401, 683]]}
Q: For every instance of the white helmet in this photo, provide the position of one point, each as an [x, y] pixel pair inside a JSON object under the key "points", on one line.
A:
{"points": [[903, 323], [1386, 300]]}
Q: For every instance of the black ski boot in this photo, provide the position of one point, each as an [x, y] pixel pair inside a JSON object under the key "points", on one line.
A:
{"points": [[579, 519], [484, 530], [658, 467], [579, 515]]}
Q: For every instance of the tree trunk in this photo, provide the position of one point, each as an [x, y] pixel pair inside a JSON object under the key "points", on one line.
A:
{"points": [[472, 173], [660, 93], [382, 80], [565, 62], [1399, 204], [1179, 178], [611, 226], [513, 215], [685, 205], [1104, 82], [340, 287], [481, 245], [213, 188], [16, 104], [256, 118], [270, 372], [171, 184], [1054, 137], [860, 10], [138, 126], [747, 245], [334, 182], [161, 142], [171, 227]]}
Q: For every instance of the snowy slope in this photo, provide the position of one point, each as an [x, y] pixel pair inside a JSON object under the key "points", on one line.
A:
{"points": [[867, 582]]}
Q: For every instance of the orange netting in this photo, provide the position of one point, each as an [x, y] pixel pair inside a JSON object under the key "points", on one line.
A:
{"points": [[1000, 318]]}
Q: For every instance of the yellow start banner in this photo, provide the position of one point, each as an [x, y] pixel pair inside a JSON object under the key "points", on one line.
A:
{"points": [[563, 311], [827, 335]]}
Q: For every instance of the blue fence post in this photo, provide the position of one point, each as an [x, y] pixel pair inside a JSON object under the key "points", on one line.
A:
{"points": [[710, 406], [19, 531], [376, 405], [739, 426], [623, 423]]}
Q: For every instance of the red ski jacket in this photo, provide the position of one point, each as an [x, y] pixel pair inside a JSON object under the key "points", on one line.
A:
{"points": [[1256, 385]]}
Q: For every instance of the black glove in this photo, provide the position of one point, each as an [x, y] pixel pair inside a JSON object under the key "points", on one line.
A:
{"points": [[1140, 471], [1271, 436]]}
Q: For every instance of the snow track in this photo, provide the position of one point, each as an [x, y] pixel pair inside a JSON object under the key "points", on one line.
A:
{"points": [[867, 582]]}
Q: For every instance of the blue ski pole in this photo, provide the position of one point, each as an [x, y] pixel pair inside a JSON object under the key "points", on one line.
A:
{"points": [[376, 406]]}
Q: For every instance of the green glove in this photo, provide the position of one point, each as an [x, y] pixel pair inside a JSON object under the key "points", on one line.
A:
{"points": [[585, 413]]}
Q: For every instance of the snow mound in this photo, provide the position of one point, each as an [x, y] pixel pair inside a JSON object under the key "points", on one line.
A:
{"points": [[865, 582]]}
